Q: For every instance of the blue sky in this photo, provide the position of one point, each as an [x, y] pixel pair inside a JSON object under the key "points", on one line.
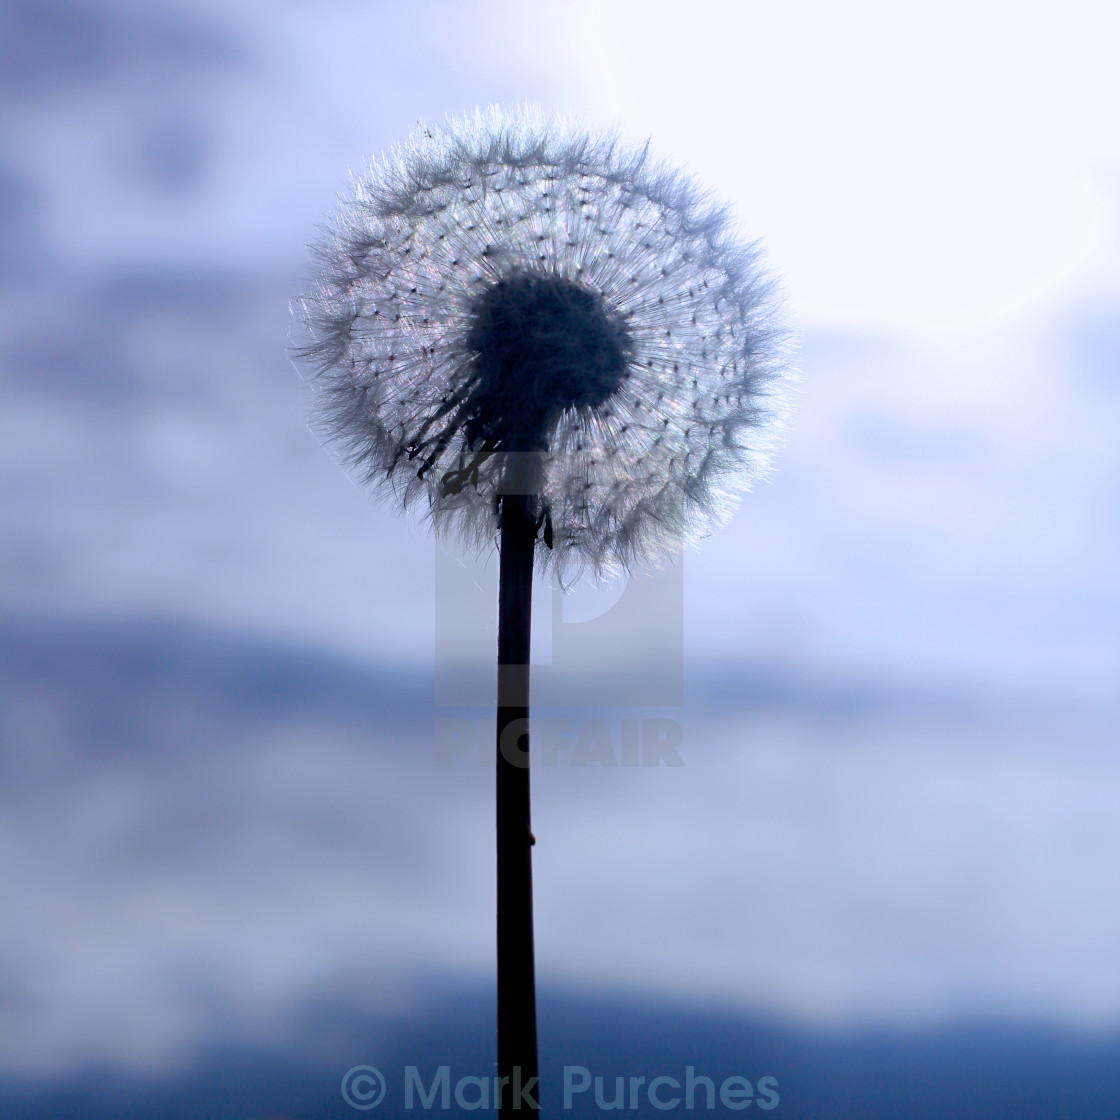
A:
{"points": [[939, 191], [941, 207]]}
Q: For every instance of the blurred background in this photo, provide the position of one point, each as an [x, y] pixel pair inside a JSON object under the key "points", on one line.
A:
{"points": [[888, 873]]}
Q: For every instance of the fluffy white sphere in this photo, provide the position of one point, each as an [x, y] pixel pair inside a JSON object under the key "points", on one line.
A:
{"points": [[507, 303]]}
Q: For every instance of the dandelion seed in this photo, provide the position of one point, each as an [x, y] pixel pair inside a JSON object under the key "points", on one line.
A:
{"points": [[527, 338]]}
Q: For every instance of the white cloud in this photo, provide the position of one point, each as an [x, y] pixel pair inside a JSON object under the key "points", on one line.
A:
{"points": [[906, 164]]}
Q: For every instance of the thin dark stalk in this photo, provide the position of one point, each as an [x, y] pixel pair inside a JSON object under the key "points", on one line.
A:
{"points": [[517, 1001]]}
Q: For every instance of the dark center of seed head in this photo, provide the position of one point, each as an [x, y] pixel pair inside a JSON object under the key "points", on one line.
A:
{"points": [[541, 344]]}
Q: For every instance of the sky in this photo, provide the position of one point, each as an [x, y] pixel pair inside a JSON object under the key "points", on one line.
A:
{"points": [[900, 657]]}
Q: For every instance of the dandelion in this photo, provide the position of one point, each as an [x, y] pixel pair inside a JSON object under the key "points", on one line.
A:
{"points": [[543, 339]]}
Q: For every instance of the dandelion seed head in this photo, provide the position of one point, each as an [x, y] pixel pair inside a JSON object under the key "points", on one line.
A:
{"points": [[509, 288]]}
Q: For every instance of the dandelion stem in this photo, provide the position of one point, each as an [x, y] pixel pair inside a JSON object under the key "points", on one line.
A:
{"points": [[517, 1002]]}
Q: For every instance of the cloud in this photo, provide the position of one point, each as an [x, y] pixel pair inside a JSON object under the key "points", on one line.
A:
{"points": [[204, 835], [102, 103], [52, 48]]}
